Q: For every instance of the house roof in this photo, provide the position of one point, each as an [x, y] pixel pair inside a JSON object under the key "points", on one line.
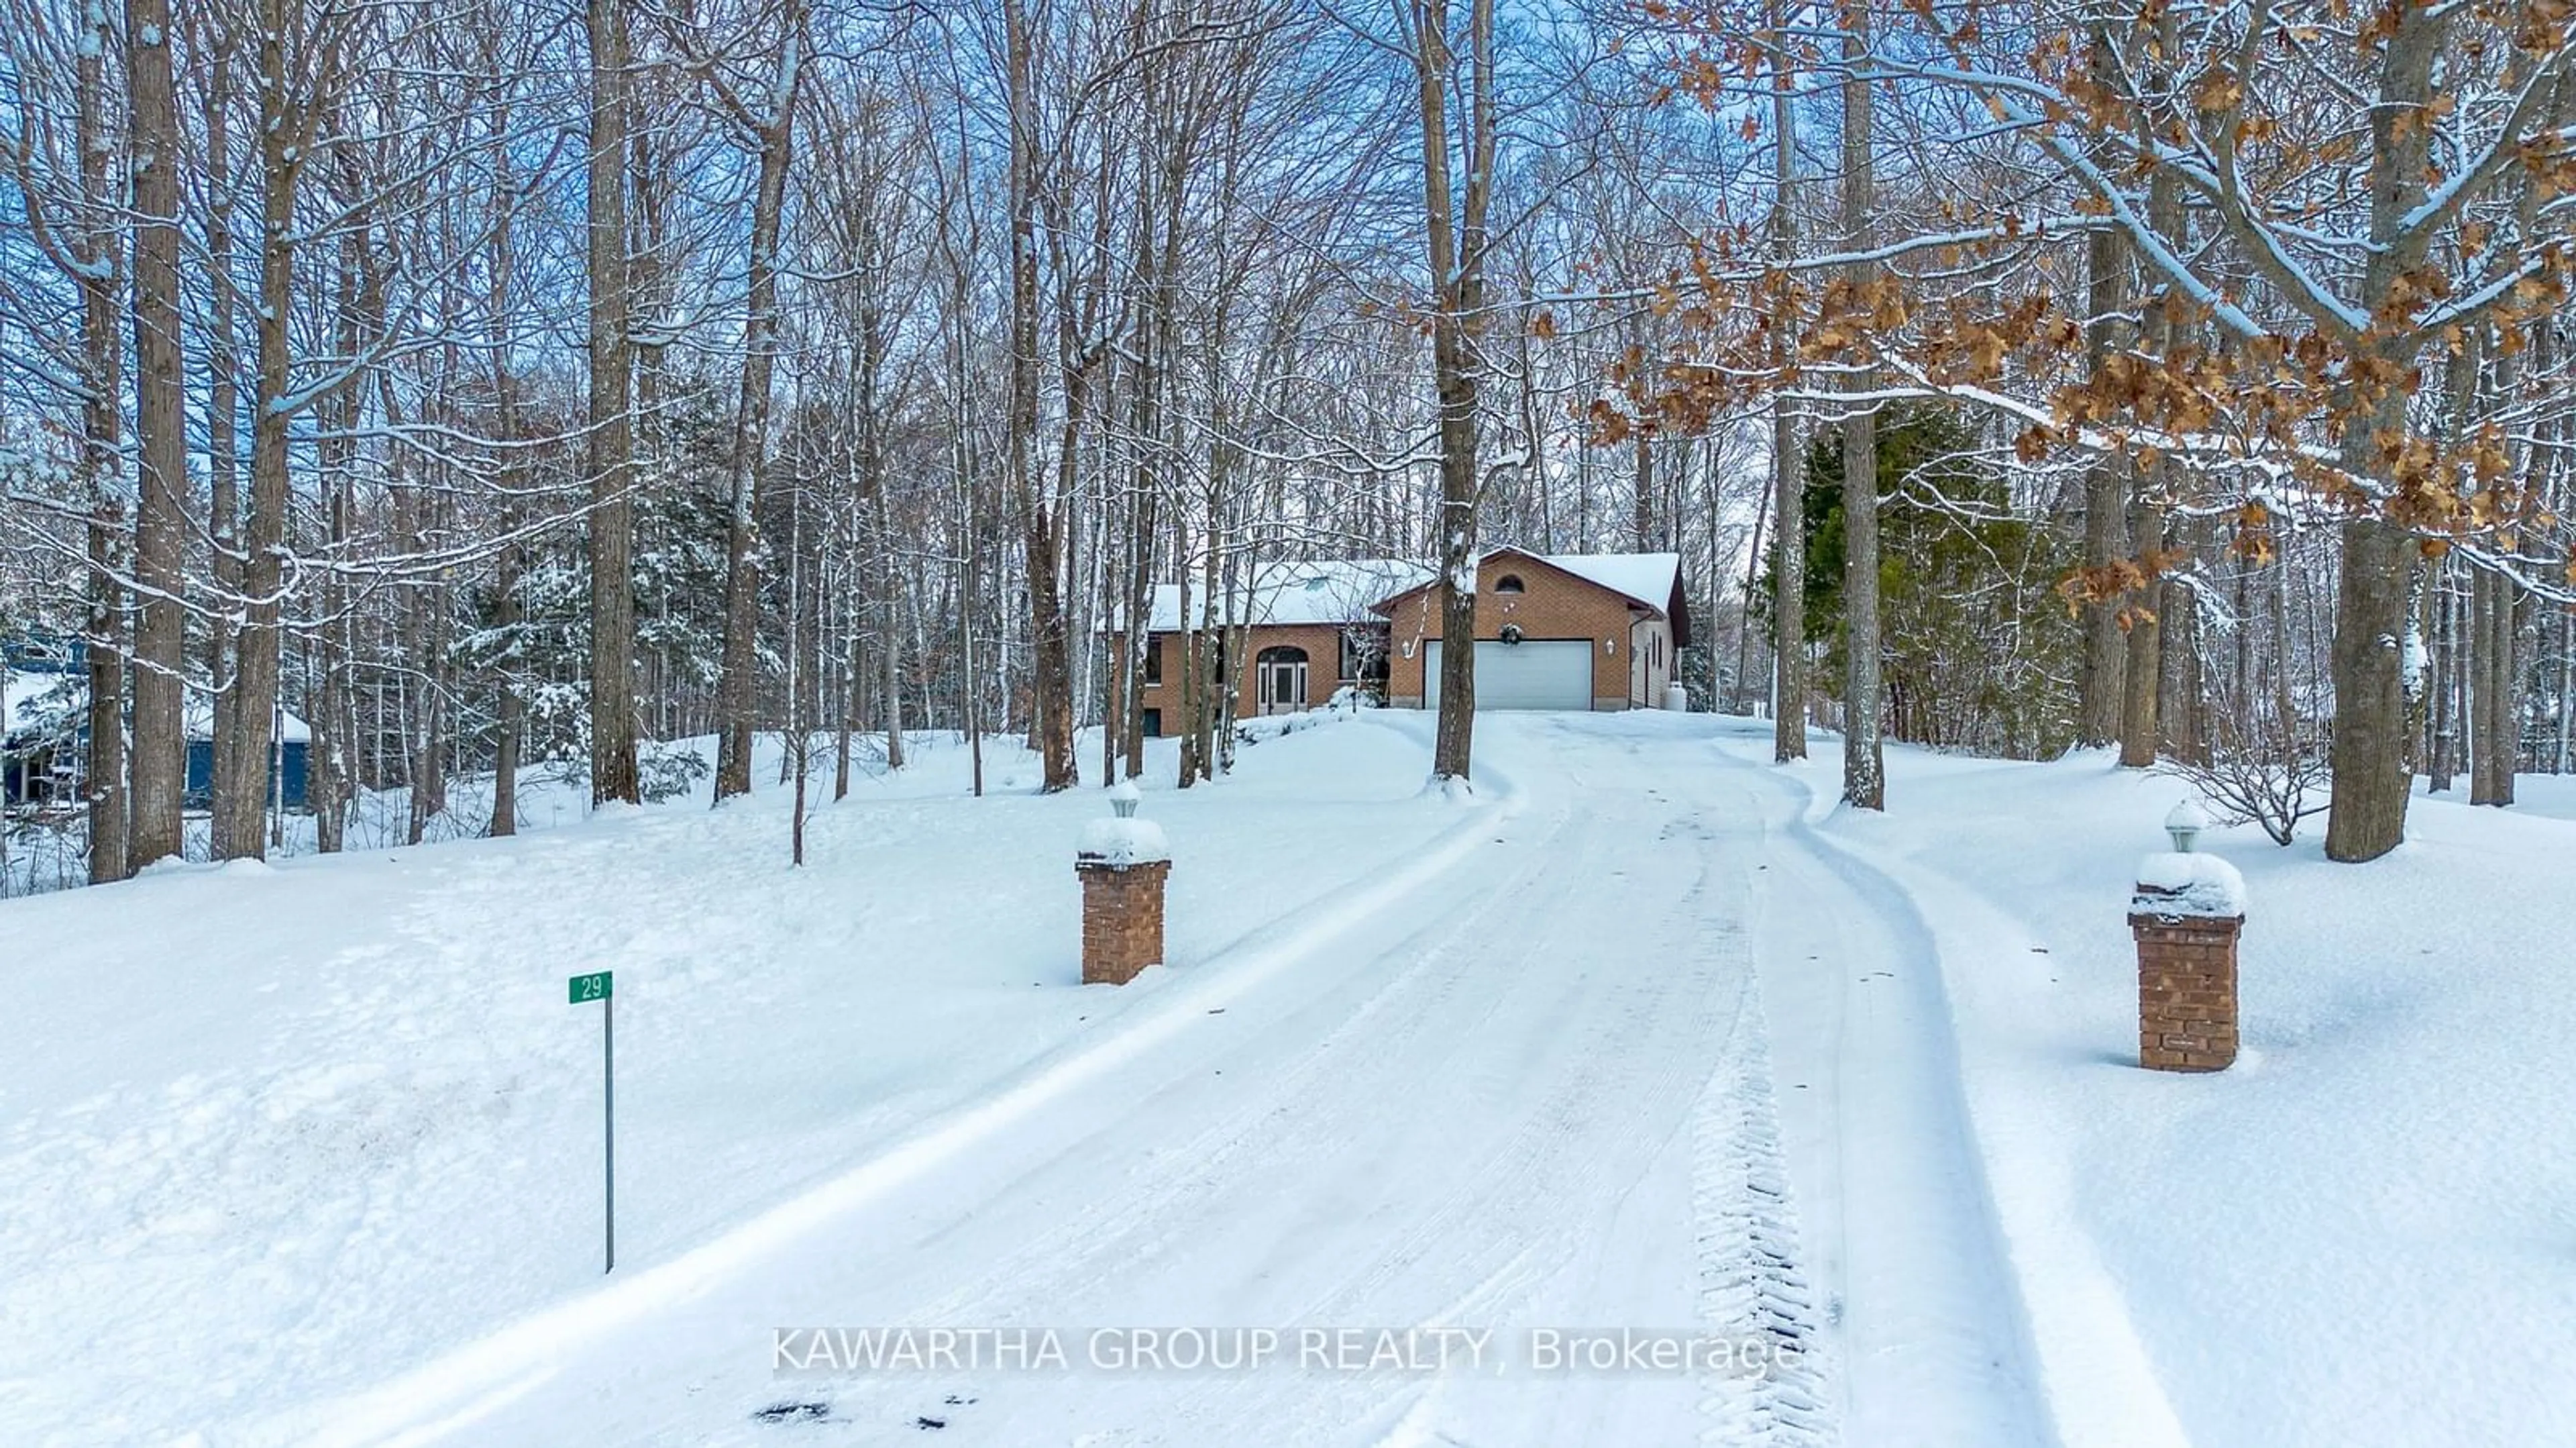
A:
{"points": [[1649, 581], [22, 699], [1325, 591], [1360, 590], [27, 698], [1648, 578]]}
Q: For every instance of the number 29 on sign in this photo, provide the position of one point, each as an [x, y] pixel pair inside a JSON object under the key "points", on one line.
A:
{"points": [[583, 989]]}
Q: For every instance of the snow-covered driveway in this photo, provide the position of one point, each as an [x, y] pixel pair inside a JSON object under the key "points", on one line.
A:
{"points": [[1523, 1082]]}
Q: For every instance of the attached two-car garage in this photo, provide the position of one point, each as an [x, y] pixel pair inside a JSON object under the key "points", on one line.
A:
{"points": [[1530, 674]]}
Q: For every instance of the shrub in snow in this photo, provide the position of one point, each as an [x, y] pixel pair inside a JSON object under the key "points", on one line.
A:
{"points": [[668, 770], [2272, 773], [1271, 726]]}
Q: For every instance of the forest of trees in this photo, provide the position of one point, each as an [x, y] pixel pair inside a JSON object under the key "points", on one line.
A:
{"points": [[498, 387]]}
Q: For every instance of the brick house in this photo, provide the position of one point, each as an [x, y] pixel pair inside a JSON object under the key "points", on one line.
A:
{"points": [[1576, 631], [1563, 631], [1309, 630]]}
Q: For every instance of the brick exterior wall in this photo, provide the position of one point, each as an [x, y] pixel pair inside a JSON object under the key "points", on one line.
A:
{"points": [[1122, 919], [1554, 605], [1322, 643], [2186, 991]]}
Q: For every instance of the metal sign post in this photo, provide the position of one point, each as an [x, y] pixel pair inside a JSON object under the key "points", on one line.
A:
{"points": [[596, 987]]}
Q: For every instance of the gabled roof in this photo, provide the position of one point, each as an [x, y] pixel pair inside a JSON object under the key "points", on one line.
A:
{"points": [[1648, 581], [1647, 578], [1325, 591]]}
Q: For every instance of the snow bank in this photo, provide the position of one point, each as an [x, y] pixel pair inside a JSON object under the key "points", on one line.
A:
{"points": [[2358, 1235], [2201, 886], [1123, 843]]}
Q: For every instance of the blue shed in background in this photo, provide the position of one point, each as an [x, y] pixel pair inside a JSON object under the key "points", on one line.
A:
{"points": [[285, 766], [44, 731]]}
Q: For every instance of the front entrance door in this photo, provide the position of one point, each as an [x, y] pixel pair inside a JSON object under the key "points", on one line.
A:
{"points": [[1280, 680]]}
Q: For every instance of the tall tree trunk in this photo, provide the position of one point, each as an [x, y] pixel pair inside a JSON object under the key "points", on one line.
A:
{"points": [[223, 406], [331, 756], [2441, 726], [848, 700], [1456, 235], [1864, 765], [2101, 677], [426, 616], [1158, 338], [510, 724], [1039, 514], [610, 460], [890, 600], [2371, 781], [1216, 666], [1192, 663], [508, 613], [2142, 672], [160, 763], [737, 690], [330, 759], [243, 761], [1644, 481], [98, 273], [2495, 689], [1788, 475]]}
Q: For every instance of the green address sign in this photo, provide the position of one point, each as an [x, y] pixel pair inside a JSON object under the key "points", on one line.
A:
{"points": [[592, 987]]}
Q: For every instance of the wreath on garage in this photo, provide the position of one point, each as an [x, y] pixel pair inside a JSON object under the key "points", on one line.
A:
{"points": [[1511, 633]]}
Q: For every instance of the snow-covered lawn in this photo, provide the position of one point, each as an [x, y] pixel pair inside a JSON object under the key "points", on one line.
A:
{"points": [[2365, 1232], [1648, 1034], [274, 1133]]}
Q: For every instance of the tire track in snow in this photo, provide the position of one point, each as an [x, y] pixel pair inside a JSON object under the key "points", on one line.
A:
{"points": [[1928, 1327], [1754, 1284]]}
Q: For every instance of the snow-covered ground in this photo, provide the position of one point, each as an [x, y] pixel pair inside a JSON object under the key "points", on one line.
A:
{"points": [[271, 1133], [2365, 1232], [1648, 1036]]}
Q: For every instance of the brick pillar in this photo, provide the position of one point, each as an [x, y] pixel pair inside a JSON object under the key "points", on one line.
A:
{"points": [[2186, 988], [1122, 918]]}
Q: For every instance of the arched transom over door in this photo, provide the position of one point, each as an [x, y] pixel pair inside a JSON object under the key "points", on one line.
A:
{"points": [[1279, 679]]}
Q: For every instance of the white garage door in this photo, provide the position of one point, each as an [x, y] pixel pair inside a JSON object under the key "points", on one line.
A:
{"points": [[1531, 674]]}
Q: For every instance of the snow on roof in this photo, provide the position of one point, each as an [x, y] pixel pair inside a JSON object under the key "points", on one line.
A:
{"points": [[1645, 577], [29, 697], [1325, 591], [24, 698], [201, 720], [1343, 590]]}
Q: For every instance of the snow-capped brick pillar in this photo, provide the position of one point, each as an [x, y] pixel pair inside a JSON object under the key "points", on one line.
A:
{"points": [[1123, 863], [2186, 914]]}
